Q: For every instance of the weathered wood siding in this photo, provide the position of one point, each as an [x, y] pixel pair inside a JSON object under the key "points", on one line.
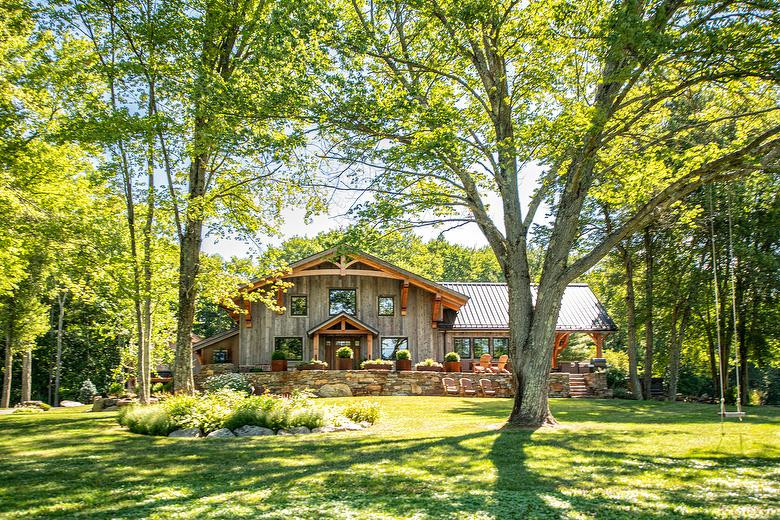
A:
{"points": [[257, 342], [206, 354]]}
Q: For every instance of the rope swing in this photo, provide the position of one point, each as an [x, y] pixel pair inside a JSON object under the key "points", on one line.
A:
{"points": [[732, 275]]}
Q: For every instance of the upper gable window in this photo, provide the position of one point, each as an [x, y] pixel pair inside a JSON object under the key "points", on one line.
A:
{"points": [[343, 300], [299, 306], [386, 306]]}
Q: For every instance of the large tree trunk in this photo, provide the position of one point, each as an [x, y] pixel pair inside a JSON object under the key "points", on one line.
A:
{"points": [[634, 383], [5, 400], [27, 374], [189, 266], [532, 334], [648, 369]]}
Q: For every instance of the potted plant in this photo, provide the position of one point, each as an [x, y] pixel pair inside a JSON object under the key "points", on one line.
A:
{"points": [[314, 364], [403, 360], [278, 361], [376, 364], [428, 365], [344, 358], [452, 362]]}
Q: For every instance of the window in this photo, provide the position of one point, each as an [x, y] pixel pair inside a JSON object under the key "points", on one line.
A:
{"points": [[387, 306], [463, 347], [293, 347], [500, 346], [299, 306], [480, 346], [220, 356], [392, 345], [343, 300]]}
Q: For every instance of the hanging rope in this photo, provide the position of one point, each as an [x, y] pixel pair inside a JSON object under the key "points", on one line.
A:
{"points": [[732, 274]]}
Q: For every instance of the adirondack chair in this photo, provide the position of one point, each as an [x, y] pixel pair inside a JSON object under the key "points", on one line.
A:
{"points": [[467, 388], [501, 367], [450, 386], [487, 387], [484, 363]]}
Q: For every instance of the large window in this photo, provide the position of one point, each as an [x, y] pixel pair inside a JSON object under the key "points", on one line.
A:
{"points": [[480, 346], [500, 346], [220, 356], [386, 306], [463, 347], [392, 345], [343, 300], [293, 347], [299, 306]]}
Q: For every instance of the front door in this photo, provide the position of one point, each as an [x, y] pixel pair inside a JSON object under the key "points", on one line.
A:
{"points": [[333, 343]]}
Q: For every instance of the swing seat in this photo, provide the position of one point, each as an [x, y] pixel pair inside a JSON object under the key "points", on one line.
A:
{"points": [[733, 414]]}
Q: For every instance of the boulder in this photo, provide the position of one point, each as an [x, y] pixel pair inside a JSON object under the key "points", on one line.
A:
{"points": [[186, 432], [222, 432], [252, 431], [364, 424], [284, 432], [124, 402], [335, 390], [110, 409], [299, 430], [102, 404], [71, 404], [324, 429]]}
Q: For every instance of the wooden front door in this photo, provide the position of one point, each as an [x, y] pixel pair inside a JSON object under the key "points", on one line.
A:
{"points": [[333, 343]]}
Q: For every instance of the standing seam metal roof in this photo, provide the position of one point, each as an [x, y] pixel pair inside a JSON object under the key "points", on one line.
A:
{"points": [[488, 308]]}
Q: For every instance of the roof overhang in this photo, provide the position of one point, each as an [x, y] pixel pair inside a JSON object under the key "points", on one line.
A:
{"points": [[341, 324], [216, 338], [350, 262]]}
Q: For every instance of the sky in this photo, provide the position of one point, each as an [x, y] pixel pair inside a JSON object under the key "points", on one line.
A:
{"points": [[295, 225]]}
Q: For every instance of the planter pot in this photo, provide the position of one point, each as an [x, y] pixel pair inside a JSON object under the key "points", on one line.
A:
{"points": [[403, 364], [278, 365], [452, 366], [344, 363], [372, 366], [428, 369]]}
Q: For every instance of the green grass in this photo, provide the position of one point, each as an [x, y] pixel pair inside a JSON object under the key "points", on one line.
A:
{"points": [[426, 458]]}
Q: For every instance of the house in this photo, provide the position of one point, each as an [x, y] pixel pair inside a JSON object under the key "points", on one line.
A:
{"points": [[354, 299]]}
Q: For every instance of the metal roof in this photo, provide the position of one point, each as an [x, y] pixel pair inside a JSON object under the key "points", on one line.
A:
{"points": [[488, 308]]}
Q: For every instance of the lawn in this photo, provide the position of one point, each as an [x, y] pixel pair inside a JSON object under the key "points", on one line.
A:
{"points": [[427, 458]]}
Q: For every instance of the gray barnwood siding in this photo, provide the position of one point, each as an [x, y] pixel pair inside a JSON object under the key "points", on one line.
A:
{"points": [[257, 342]]}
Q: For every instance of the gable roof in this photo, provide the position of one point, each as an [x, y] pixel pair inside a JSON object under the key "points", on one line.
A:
{"points": [[394, 271], [219, 336], [345, 317], [488, 308]]}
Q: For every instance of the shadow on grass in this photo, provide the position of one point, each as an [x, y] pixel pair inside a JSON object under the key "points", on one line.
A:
{"points": [[86, 465]]}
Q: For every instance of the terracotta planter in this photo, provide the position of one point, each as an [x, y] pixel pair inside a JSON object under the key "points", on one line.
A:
{"points": [[452, 366], [377, 366], [278, 365], [428, 369], [344, 363], [403, 364]]}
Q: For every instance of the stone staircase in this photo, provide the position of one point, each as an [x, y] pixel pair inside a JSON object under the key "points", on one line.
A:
{"points": [[577, 386]]}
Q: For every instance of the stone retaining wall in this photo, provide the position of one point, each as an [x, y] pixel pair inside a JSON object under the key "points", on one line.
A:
{"points": [[381, 382]]}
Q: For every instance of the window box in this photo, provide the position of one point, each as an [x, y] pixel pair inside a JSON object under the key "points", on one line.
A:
{"points": [[313, 365]]}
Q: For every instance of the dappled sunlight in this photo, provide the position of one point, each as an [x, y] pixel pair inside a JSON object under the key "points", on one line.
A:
{"points": [[434, 457]]}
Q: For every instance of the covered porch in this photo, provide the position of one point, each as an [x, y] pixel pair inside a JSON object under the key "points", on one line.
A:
{"points": [[342, 330]]}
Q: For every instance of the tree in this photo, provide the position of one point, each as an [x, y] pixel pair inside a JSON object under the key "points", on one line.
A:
{"points": [[443, 103]]}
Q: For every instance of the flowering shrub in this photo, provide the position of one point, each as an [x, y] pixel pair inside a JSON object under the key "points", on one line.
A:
{"points": [[362, 411], [452, 357], [386, 362], [232, 381], [428, 363]]}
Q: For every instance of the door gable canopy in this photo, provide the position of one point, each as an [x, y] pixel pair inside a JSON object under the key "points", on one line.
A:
{"points": [[342, 324]]}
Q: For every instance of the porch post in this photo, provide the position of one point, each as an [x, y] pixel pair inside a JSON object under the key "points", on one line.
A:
{"points": [[316, 345], [370, 344]]}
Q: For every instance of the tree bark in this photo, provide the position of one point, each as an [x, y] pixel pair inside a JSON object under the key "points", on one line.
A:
{"points": [[678, 335], [27, 374], [61, 299], [5, 401], [648, 368], [634, 383]]}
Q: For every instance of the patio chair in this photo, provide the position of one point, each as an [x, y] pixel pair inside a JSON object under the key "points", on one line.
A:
{"points": [[484, 363], [450, 386], [467, 387], [501, 367], [487, 387]]}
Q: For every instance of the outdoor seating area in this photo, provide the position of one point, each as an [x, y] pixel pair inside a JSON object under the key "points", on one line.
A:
{"points": [[486, 365], [465, 387]]}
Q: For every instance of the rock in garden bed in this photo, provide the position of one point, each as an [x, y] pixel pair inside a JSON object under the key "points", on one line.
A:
{"points": [[252, 431], [185, 432], [222, 432]]}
